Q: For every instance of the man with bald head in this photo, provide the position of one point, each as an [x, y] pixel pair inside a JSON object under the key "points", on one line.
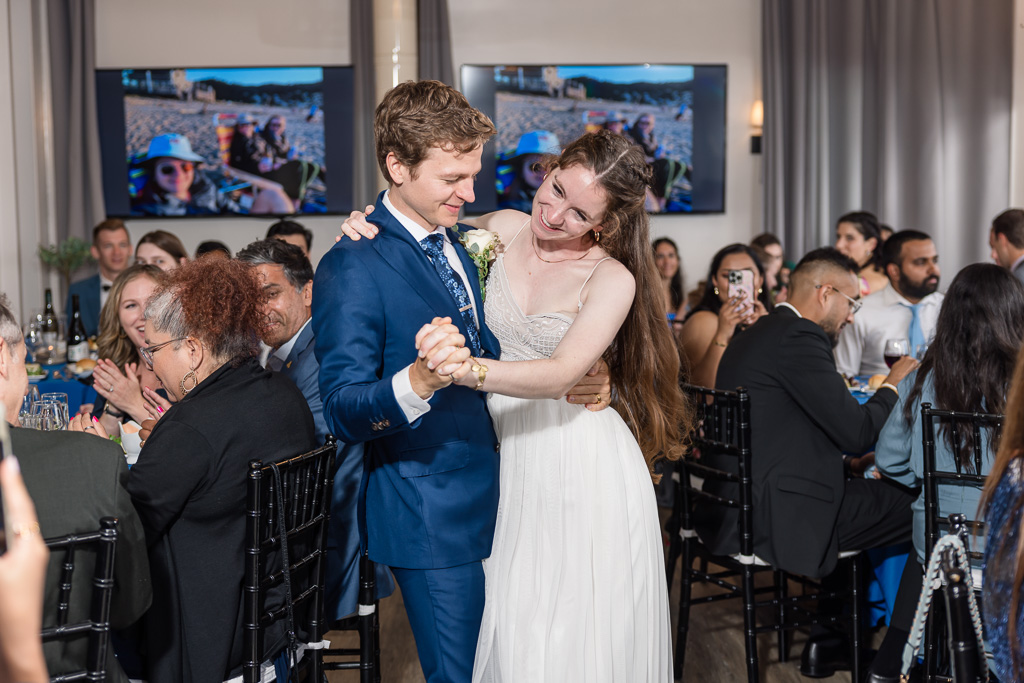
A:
{"points": [[803, 419]]}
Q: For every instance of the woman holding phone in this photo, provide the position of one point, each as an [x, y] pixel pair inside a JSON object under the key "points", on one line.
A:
{"points": [[734, 296]]}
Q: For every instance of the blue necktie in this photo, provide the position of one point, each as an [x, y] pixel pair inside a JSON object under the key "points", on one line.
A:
{"points": [[434, 246], [915, 335]]}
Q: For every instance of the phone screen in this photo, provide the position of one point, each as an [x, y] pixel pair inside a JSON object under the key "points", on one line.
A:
{"points": [[741, 284]]}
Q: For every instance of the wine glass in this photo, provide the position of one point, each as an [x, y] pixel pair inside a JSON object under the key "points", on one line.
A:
{"points": [[27, 402], [49, 416], [61, 401], [894, 350]]}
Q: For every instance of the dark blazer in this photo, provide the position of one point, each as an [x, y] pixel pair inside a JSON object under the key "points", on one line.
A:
{"points": [[74, 480], [189, 486], [88, 291], [342, 596], [802, 419], [432, 485], [1019, 272]]}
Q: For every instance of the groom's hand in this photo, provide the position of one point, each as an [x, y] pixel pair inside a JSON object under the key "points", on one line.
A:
{"points": [[442, 352], [595, 389]]}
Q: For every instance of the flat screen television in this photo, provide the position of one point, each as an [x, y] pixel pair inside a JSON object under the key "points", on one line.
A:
{"points": [[675, 112], [226, 141]]}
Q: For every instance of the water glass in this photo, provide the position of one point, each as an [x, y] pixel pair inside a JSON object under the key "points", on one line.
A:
{"points": [[920, 351], [26, 404], [49, 416], [61, 401]]}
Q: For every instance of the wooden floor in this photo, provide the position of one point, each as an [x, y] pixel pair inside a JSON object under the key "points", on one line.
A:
{"points": [[714, 651]]}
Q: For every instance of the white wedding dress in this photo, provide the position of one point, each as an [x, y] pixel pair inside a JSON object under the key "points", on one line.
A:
{"points": [[575, 584]]}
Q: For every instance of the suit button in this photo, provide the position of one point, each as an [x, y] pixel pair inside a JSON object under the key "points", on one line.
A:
{"points": [[385, 424]]}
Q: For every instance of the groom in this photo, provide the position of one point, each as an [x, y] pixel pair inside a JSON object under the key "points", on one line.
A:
{"points": [[431, 483]]}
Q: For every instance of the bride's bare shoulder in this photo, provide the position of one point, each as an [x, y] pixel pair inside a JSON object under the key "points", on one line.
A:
{"points": [[505, 223]]}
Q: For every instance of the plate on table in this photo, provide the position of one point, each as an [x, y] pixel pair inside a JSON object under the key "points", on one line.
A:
{"points": [[35, 372], [38, 378]]}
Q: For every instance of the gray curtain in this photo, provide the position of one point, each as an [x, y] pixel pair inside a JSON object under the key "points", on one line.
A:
{"points": [[77, 171], [434, 41], [900, 108], [364, 167]]}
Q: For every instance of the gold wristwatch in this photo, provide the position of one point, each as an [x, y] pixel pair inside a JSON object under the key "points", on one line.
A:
{"points": [[481, 373]]}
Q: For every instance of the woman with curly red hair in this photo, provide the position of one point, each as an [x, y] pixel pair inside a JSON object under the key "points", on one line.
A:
{"points": [[189, 484]]}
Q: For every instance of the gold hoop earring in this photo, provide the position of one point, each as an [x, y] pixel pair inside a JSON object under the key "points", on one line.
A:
{"points": [[191, 374], [597, 236]]}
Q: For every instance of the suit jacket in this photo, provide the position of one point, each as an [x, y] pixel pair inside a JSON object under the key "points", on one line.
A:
{"points": [[88, 291], [342, 597], [74, 480], [1019, 272], [802, 419], [431, 485], [189, 486]]}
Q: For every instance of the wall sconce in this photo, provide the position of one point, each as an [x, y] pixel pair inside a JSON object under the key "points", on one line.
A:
{"points": [[757, 123]]}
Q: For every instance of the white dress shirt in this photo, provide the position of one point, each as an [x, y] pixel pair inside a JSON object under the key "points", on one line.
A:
{"points": [[284, 350], [105, 286], [884, 315], [409, 401]]}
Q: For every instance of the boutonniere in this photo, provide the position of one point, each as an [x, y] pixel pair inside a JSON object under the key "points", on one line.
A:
{"points": [[483, 248]]}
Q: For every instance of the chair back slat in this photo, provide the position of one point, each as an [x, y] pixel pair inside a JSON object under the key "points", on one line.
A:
{"points": [[303, 484], [959, 424], [73, 549], [720, 453]]}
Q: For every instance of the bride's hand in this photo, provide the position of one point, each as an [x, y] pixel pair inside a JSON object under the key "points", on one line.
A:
{"points": [[356, 226]]}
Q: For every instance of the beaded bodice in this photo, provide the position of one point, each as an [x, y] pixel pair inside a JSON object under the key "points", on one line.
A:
{"points": [[522, 337]]}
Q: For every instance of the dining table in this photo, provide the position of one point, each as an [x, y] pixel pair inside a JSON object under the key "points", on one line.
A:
{"points": [[79, 390]]}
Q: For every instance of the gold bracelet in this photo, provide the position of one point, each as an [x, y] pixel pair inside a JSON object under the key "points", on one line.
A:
{"points": [[481, 373], [718, 343]]}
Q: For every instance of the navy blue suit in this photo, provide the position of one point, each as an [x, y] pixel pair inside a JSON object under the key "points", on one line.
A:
{"points": [[343, 545], [88, 291], [431, 486]]}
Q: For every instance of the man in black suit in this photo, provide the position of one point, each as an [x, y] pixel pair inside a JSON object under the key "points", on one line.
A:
{"points": [[74, 480], [803, 419]]}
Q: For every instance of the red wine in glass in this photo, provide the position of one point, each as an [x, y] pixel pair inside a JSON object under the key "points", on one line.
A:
{"points": [[889, 360], [895, 349]]}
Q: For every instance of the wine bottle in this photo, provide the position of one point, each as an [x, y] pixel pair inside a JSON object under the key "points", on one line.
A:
{"points": [[49, 325], [78, 343]]}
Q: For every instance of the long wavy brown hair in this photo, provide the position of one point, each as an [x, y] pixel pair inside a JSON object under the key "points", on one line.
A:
{"points": [[1011, 449], [644, 358], [112, 341]]}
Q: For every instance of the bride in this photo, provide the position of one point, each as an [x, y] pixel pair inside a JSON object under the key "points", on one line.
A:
{"points": [[575, 584]]}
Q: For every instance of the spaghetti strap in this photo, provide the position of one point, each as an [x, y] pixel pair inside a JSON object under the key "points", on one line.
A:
{"points": [[520, 230], [579, 297]]}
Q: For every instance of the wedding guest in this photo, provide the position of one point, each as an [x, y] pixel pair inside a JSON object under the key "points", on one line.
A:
{"points": [[978, 334], [74, 480], [906, 308], [802, 419], [885, 231], [121, 376], [666, 257], [710, 326], [287, 280], [769, 251], [1003, 504], [189, 483], [22, 569], [859, 236], [213, 249], [112, 250], [161, 249], [1007, 241], [292, 232]]}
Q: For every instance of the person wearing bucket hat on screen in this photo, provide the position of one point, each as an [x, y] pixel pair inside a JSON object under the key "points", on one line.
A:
{"points": [[528, 175], [615, 122], [177, 187]]}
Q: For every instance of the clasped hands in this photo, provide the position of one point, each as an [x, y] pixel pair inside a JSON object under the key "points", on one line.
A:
{"points": [[442, 357]]}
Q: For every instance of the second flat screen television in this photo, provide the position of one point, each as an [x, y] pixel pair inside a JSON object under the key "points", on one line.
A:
{"points": [[674, 112]]}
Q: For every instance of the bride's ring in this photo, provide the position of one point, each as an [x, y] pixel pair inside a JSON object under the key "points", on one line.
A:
{"points": [[110, 387], [597, 398]]}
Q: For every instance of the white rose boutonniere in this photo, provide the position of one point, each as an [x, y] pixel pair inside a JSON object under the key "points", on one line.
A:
{"points": [[483, 248]]}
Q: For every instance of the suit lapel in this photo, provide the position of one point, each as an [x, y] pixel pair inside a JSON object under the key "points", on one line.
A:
{"points": [[303, 342], [403, 254], [487, 340]]}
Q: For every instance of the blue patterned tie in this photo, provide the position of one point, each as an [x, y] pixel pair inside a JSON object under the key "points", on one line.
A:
{"points": [[434, 246]]}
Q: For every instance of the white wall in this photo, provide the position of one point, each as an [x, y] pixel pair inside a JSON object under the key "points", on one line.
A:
{"points": [[664, 31], [224, 33]]}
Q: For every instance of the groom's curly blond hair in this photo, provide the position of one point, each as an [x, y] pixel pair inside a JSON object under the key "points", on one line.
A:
{"points": [[415, 116]]}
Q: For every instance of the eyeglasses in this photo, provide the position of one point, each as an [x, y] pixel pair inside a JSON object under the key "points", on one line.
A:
{"points": [[171, 169], [147, 351], [854, 304]]}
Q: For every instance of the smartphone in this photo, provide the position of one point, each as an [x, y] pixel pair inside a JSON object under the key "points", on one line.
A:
{"points": [[741, 284]]}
